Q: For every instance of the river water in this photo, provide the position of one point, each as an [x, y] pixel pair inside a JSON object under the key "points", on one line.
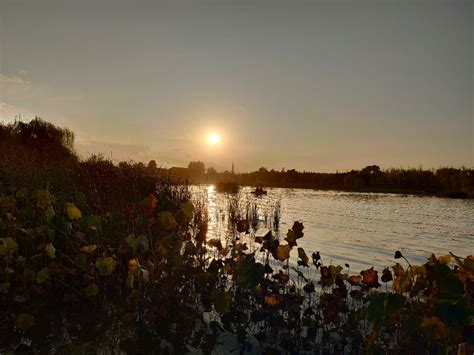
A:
{"points": [[361, 229]]}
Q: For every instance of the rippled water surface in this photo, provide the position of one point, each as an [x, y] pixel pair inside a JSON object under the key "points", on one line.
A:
{"points": [[362, 229]]}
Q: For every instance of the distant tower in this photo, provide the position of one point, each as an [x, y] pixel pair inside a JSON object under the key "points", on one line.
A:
{"points": [[232, 168]]}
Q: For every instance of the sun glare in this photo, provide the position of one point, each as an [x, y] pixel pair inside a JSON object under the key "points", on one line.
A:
{"points": [[213, 139]]}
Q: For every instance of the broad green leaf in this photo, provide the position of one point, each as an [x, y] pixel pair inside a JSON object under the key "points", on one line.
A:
{"points": [[167, 220], [133, 242], [187, 209], [44, 199], [250, 273], [50, 250], [7, 245], [72, 211], [24, 321], [106, 266], [80, 261], [49, 214], [43, 275], [92, 290]]}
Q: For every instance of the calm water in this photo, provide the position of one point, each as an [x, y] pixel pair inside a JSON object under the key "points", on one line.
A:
{"points": [[362, 229]]}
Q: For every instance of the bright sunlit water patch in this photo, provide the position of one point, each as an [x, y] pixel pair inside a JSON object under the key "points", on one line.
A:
{"points": [[362, 229]]}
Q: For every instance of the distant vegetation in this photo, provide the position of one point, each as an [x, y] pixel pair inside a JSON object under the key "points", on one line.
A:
{"points": [[448, 182], [104, 258]]}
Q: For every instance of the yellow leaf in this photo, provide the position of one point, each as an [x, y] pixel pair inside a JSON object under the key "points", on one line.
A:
{"points": [[89, 249], [92, 290], [398, 269], [416, 270], [106, 266], [271, 300], [72, 211], [133, 265], [445, 259], [50, 250]]}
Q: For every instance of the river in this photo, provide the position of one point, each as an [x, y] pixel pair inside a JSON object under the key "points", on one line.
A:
{"points": [[361, 229]]}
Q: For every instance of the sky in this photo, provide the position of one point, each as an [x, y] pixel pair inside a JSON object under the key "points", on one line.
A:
{"points": [[316, 86]]}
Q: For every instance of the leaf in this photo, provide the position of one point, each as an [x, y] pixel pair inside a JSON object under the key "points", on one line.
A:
{"points": [[187, 208], [24, 321], [250, 273], [43, 275], [106, 266], [271, 300], [7, 245], [445, 259], [44, 199], [355, 280], [88, 249], [283, 252], [243, 226], [370, 277], [167, 220], [50, 250], [216, 243], [132, 242], [469, 263], [80, 261], [92, 290], [401, 283], [133, 266], [72, 211], [309, 287], [49, 214], [386, 275], [222, 302], [149, 203], [304, 258], [281, 277], [398, 270], [326, 276]]}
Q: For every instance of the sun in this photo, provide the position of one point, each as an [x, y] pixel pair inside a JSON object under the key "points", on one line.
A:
{"points": [[213, 139]]}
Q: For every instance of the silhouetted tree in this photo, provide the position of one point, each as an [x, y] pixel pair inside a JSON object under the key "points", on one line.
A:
{"points": [[196, 168]]}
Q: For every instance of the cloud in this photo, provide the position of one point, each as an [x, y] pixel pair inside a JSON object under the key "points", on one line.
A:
{"points": [[15, 86]]}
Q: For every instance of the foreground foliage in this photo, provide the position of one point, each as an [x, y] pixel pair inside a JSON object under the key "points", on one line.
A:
{"points": [[101, 258], [75, 279]]}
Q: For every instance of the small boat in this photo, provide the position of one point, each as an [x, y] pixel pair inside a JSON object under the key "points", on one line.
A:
{"points": [[259, 191]]}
